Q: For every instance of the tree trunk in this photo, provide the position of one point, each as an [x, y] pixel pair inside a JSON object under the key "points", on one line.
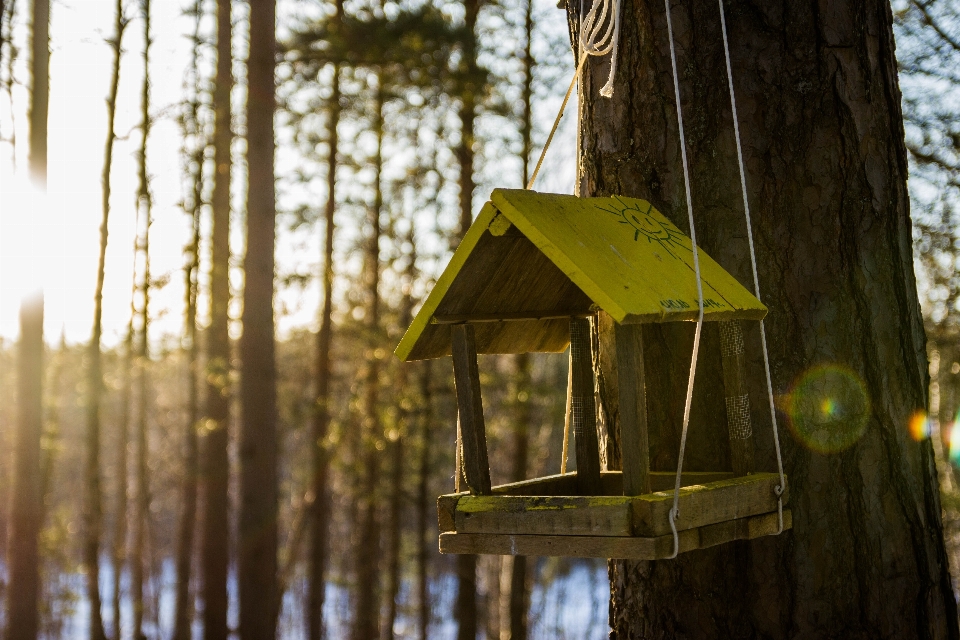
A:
{"points": [[320, 513], [258, 394], [424, 499], [193, 160], [465, 610], [366, 618], [826, 171], [142, 489], [123, 439], [27, 502], [396, 445], [216, 464], [513, 581], [94, 509]]}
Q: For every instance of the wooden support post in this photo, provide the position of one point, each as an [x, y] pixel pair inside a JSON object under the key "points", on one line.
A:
{"points": [[466, 376], [583, 412], [737, 400], [634, 443]]}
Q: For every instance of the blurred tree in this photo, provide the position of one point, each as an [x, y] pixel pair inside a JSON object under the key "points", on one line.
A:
{"points": [[139, 563], [215, 523], [27, 501], [193, 152], [94, 508], [257, 567]]}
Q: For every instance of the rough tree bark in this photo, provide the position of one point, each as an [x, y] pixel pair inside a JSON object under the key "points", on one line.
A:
{"points": [[258, 393], [119, 551], [193, 156], [215, 470], [826, 171], [27, 500]]}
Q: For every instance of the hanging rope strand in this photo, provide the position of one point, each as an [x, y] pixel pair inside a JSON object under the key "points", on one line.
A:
{"points": [[675, 510], [753, 264], [598, 36]]}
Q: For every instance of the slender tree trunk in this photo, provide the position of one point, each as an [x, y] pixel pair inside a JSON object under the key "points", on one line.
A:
{"points": [[465, 610], [320, 513], [142, 490], [94, 524], [183, 605], [397, 449], [258, 438], [123, 439], [819, 113], [27, 502], [216, 464], [424, 500], [366, 618], [514, 593]]}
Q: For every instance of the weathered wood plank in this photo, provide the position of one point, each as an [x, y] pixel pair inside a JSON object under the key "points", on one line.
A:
{"points": [[473, 432], [635, 548], [735, 394], [446, 510], [705, 504], [583, 408], [634, 442], [545, 515]]}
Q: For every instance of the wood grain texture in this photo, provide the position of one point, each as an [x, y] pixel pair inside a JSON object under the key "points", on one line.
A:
{"points": [[583, 416], [558, 515], [636, 548], [634, 441], [466, 374]]}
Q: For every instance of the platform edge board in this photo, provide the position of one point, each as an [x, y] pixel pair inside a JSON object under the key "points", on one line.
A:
{"points": [[708, 503], [632, 548], [545, 515]]}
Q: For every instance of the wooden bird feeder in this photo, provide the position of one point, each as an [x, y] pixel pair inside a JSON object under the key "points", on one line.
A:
{"points": [[530, 275]]}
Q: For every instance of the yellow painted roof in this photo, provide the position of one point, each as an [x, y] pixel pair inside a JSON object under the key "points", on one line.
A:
{"points": [[533, 260]]}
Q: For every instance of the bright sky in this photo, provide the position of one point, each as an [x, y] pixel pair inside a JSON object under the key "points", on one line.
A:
{"points": [[64, 262]]}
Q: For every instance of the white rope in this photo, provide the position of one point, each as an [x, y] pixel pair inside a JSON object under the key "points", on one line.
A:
{"points": [[675, 510], [599, 35], [779, 489]]}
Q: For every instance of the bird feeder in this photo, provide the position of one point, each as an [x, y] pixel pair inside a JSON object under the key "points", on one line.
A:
{"points": [[531, 274]]}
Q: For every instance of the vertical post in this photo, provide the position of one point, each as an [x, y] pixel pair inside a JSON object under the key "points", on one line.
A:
{"points": [[634, 442], [737, 400], [466, 376], [583, 412]]}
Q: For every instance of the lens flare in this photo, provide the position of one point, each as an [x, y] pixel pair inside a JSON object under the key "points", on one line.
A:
{"points": [[919, 425], [828, 408], [954, 444]]}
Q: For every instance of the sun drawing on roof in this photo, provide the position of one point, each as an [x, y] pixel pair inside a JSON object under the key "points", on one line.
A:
{"points": [[646, 225]]}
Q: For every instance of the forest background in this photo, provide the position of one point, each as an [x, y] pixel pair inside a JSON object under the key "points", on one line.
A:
{"points": [[394, 120]]}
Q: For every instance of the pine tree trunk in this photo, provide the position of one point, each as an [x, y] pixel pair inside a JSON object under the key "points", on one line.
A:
{"points": [[27, 502], [183, 604], [123, 439], [424, 500], [216, 464], [320, 513], [366, 617], [465, 610], [826, 172], [258, 394], [94, 509], [141, 485]]}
